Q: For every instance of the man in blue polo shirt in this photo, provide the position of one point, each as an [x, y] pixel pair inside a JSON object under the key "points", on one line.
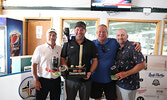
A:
{"points": [[129, 62], [101, 81], [107, 48]]}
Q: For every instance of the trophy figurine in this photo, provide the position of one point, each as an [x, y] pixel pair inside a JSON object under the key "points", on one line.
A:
{"points": [[78, 71]]}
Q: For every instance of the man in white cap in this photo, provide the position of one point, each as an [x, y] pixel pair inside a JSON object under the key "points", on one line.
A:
{"points": [[44, 79]]}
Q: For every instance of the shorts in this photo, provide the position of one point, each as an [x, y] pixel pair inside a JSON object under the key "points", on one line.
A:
{"points": [[109, 90], [124, 94]]}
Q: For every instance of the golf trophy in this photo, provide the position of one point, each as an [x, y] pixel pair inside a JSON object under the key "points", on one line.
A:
{"points": [[78, 71], [114, 70], [55, 62], [55, 66], [63, 71]]}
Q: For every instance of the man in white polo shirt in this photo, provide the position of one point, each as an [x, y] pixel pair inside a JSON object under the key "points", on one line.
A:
{"points": [[44, 79]]}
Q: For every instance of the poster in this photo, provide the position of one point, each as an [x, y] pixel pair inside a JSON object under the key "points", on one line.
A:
{"points": [[14, 40]]}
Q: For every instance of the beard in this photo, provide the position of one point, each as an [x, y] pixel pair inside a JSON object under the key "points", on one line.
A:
{"points": [[121, 41], [80, 37]]}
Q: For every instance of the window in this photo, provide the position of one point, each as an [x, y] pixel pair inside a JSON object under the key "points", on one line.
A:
{"points": [[144, 31], [91, 26], [2, 51]]}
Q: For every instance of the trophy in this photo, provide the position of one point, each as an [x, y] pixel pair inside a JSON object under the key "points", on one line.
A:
{"points": [[78, 71], [55, 67], [63, 71], [114, 70], [55, 62]]}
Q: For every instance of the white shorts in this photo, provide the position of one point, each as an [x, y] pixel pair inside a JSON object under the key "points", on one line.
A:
{"points": [[123, 94]]}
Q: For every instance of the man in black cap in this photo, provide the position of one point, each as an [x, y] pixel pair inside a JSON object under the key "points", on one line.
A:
{"points": [[71, 51]]}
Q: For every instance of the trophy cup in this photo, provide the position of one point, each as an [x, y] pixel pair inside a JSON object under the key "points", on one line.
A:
{"points": [[55, 62], [114, 70], [55, 66], [78, 71]]}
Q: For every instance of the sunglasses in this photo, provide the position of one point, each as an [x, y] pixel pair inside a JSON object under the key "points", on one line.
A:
{"points": [[103, 48]]}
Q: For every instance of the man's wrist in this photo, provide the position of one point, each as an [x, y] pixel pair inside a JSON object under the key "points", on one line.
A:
{"points": [[90, 72]]}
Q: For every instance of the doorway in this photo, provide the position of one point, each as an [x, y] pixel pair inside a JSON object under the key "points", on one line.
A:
{"points": [[34, 35]]}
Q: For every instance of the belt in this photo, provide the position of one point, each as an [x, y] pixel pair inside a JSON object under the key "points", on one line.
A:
{"points": [[48, 78]]}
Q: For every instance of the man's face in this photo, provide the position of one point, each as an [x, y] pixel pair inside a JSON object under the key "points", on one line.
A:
{"points": [[102, 33], [51, 37], [79, 33], [121, 36]]}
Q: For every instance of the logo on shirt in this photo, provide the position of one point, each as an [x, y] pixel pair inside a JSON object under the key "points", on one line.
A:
{"points": [[26, 89], [108, 48]]}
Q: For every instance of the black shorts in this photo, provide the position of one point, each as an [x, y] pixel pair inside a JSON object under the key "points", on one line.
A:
{"points": [[109, 90]]}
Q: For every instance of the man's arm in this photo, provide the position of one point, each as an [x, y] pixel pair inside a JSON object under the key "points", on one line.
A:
{"points": [[134, 70], [92, 68], [36, 81], [94, 65]]}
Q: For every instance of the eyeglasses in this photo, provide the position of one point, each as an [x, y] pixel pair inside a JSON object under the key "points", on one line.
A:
{"points": [[103, 48]]}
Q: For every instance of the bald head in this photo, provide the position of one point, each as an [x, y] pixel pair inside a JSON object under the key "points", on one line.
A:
{"points": [[121, 36]]}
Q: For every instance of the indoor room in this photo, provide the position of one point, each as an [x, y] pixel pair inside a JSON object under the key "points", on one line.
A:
{"points": [[24, 26]]}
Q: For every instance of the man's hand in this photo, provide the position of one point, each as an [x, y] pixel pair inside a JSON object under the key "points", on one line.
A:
{"points": [[121, 75], [88, 75], [138, 46], [37, 85]]}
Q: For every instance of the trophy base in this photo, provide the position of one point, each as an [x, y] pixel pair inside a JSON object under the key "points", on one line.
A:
{"points": [[77, 72]]}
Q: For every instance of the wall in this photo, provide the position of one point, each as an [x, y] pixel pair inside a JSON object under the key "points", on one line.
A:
{"points": [[17, 86], [80, 3], [150, 3], [56, 14], [102, 15]]}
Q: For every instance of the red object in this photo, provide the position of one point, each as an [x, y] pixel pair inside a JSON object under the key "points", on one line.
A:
{"points": [[79, 70], [14, 38], [52, 71]]}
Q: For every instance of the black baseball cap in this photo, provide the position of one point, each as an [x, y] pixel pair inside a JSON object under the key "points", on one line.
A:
{"points": [[80, 24]]}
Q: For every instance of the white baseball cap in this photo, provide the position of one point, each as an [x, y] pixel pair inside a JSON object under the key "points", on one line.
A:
{"points": [[51, 30]]}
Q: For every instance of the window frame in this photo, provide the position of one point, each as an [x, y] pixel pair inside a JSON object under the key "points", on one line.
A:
{"points": [[158, 29], [74, 18]]}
